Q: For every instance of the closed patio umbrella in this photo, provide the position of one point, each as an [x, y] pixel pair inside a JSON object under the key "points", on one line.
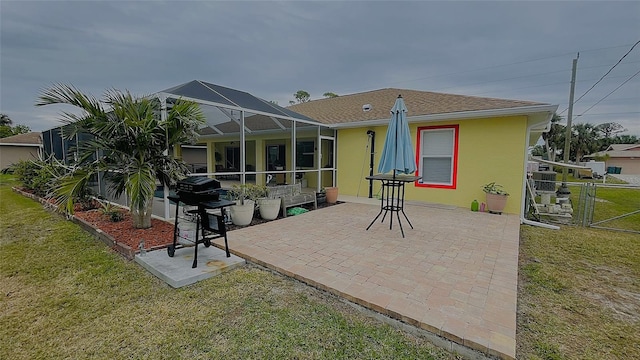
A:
{"points": [[397, 153]]}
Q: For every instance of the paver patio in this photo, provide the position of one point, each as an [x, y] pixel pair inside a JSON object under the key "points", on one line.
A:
{"points": [[454, 275]]}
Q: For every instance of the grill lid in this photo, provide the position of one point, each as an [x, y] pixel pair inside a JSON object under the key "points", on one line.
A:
{"points": [[197, 184]]}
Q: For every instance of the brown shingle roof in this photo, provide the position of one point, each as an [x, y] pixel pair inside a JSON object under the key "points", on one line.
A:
{"points": [[34, 138], [349, 108]]}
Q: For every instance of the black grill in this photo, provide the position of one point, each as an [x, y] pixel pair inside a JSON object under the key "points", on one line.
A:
{"points": [[193, 190]]}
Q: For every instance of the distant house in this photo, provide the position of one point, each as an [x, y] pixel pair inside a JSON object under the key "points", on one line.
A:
{"points": [[461, 142], [623, 156], [20, 147]]}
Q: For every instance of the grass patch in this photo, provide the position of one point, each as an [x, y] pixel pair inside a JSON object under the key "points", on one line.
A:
{"points": [[65, 295], [579, 294]]}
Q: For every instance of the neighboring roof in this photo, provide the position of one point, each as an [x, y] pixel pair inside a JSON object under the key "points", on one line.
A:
{"points": [[619, 151], [623, 147], [349, 108], [28, 139], [228, 98]]}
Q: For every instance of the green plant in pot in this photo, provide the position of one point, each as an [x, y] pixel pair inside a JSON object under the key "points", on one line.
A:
{"points": [[496, 197], [245, 196], [268, 204]]}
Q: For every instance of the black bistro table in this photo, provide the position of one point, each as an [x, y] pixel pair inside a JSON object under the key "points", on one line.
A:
{"points": [[202, 224], [392, 199]]}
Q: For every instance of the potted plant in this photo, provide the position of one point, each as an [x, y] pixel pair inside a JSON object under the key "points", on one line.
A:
{"points": [[268, 204], [496, 197], [245, 196]]}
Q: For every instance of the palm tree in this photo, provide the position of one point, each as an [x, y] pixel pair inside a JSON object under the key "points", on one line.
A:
{"points": [[129, 143], [554, 138], [5, 120], [584, 140]]}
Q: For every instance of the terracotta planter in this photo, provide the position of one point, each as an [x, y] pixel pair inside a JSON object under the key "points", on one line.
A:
{"points": [[332, 194], [496, 203]]}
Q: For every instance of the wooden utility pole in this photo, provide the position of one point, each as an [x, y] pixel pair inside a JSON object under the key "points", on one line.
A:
{"points": [[563, 191]]}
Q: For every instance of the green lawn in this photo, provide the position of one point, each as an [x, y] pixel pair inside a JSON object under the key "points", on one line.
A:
{"points": [[610, 202], [579, 294], [65, 295]]}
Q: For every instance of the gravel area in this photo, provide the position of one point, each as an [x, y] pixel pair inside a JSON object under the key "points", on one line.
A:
{"points": [[631, 179]]}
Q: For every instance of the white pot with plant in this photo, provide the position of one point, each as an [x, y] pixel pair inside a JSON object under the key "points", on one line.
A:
{"points": [[245, 196], [269, 206], [496, 197]]}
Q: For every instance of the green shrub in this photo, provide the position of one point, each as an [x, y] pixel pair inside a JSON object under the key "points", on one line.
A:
{"points": [[37, 176], [43, 177], [114, 213]]}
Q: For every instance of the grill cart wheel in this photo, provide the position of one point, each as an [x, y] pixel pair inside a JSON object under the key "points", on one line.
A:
{"points": [[207, 242], [171, 250]]}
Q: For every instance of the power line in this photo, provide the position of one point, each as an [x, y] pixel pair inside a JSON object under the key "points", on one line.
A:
{"points": [[508, 64], [607, 73], [616, 113], [614, 90]]}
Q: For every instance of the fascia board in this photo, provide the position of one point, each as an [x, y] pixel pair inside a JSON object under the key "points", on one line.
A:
{"points": [[543, 110]]}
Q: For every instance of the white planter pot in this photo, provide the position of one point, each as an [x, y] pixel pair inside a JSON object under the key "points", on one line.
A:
{"points": [[242, 215], [269, 208]]}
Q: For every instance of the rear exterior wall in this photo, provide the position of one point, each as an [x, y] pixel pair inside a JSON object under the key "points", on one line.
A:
{"points": [[490, 149]]}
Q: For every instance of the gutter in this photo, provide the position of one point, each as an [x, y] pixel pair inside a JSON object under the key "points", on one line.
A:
{"points": [[475, 114], [20, 144]]}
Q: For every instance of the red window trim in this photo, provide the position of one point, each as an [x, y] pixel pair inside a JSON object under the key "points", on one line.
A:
{"points": [[454, 180]]}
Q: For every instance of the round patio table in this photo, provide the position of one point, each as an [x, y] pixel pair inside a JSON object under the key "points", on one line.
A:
{"points": [[392, 199]]}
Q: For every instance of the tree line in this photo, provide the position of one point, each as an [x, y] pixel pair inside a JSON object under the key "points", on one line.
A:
{"points": [[8, 129], [585, 139]]}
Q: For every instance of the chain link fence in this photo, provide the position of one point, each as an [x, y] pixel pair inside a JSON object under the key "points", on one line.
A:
{"points": [[594, 204]]}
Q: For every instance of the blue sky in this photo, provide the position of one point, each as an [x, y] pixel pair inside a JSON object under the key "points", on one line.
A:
{"points": [[511, 50]]}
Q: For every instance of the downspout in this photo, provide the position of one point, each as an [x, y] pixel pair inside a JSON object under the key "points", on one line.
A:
{"points": [[523, 198], [372, 135]]}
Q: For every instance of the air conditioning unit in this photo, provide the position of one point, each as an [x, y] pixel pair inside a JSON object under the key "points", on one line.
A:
{"points": [[545, 180]]}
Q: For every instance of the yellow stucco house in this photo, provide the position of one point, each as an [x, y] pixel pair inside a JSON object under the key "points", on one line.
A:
{"points": [[471, 140], [461, 142]]}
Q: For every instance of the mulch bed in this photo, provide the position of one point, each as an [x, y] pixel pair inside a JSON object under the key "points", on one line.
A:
{"points": [[160, 234]]}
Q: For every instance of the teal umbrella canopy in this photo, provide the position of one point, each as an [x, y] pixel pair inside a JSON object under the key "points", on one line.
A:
{"points": [[397, 153]]}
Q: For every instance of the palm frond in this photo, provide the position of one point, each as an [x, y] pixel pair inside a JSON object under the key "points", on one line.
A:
{"points": [[68, 94], [70, 187]]}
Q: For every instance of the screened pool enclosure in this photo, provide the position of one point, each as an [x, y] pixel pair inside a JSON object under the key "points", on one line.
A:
{"points": [[245, 140]]}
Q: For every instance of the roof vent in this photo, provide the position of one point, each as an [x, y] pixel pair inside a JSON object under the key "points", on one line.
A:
{"points": [[366, 107]]}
